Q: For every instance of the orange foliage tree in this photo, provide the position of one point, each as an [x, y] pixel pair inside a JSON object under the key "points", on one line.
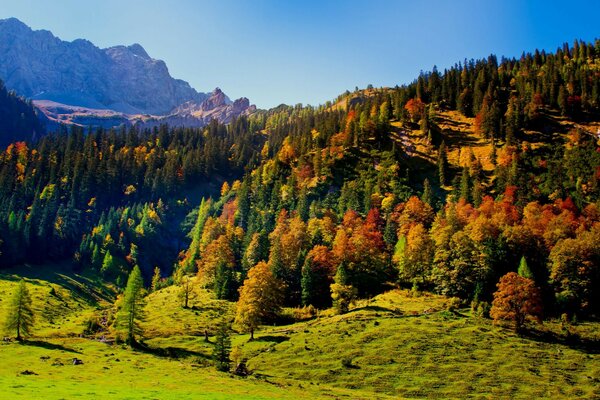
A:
{"points": [[517, 300]]}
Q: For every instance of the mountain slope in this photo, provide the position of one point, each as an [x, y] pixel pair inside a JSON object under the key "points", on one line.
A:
{"points": [[18, 119], [41, 66]]}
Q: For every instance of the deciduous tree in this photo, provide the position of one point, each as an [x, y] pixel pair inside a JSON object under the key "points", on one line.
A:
{"points": [[516, 300]]}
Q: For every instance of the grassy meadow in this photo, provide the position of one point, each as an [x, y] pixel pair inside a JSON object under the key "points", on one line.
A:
{"points": [[395, 345]]}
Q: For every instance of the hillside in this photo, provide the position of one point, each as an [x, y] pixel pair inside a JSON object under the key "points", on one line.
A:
{"points": [[395, 345], [436, 239], [18, 119]]}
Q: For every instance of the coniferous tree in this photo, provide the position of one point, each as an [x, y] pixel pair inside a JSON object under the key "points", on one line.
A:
{"points": [[524, 269], [222, 348], [20, 316], [442, 164], [131, 310], [156, 278]]}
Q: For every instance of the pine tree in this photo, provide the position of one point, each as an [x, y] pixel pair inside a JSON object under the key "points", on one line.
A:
{"points": [[307, 282], [20, 315], [222, 348], [108, 264], [465, 184], [131, 307], [224, 282]]}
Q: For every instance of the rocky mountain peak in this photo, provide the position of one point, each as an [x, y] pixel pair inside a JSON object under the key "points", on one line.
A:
{"points": [[123, 79]]}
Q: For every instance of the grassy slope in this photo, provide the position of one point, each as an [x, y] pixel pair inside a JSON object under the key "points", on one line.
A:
{"points": [[393, 346]]}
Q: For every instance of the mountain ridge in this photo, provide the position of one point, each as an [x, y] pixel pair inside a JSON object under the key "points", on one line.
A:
{"points": [[123, 79]]}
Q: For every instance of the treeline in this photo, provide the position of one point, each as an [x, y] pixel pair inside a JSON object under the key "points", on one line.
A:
{"points": [[56, 189], [18, 118]]}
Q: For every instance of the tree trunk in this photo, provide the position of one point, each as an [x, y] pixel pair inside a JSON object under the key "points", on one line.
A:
{"points": [[251, 334]]}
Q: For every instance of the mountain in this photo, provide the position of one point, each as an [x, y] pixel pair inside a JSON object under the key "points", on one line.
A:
{"points": [[190, 114], [123, 82]]}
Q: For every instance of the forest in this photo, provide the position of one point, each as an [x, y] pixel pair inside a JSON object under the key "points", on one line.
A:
{"points": [[332, 195]]}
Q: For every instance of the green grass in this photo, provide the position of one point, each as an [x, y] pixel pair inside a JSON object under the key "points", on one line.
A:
{"points": [[62, 300], [119, 373], [392, 346]]}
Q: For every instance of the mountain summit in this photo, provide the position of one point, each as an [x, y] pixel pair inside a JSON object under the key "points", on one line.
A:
{"points": [[122, 79]]}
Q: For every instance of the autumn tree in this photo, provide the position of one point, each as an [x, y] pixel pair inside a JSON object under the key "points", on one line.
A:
{"points": [[187, 290], [260, 299], [416, 109], [131, 307], [575, 271], [156, 278], [516, 300], [20, 317]]}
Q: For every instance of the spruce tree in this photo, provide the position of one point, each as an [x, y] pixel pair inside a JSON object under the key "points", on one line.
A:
{"points": [[465, 184], [222, 348], [155, 279], [307, 282], [20, 315]]}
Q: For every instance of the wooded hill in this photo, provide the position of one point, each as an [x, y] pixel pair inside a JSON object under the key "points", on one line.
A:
{"points": [[445, 184]]}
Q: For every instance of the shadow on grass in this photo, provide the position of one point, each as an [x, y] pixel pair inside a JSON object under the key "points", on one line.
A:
{"points": [[168, 352], [49, 346], [271, 338], [572, 341]]}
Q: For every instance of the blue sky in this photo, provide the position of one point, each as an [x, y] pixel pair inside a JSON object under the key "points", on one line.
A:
{"points": [[311, 51]]}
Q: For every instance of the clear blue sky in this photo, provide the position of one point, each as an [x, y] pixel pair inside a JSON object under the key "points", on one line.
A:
{"points": [[283, 51]]}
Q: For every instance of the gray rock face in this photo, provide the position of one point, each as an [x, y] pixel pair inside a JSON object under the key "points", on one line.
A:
{"points": [[124, 79]]}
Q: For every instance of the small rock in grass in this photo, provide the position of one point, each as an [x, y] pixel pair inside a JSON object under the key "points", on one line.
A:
{"points": [[27, 372]]}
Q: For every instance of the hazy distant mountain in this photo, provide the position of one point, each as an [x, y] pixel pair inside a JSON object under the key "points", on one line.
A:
{"points": [[123, 79]]}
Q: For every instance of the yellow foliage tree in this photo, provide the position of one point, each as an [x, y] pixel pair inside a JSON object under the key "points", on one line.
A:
{"points": [[260, 298]]}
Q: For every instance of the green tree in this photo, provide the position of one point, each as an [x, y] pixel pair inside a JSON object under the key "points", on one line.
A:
{"points": [[20, 315], [524, 269], [131, 308], [427, 196], [222, 348], [108, 264], [342, 293]]}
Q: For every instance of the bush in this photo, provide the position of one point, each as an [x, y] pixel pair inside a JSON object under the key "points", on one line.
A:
{"points": [[481, 309], [453, 304]]}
